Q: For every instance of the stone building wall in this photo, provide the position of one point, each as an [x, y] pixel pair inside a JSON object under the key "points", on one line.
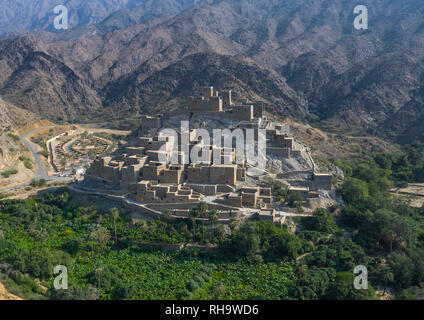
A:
{"points": [[227, 98], [151, 122], [223, 174], [283, 141], [279, 152], [322, 181]]}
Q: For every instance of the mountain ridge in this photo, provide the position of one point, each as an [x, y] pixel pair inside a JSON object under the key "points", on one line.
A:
{"points": [[355, 81]]}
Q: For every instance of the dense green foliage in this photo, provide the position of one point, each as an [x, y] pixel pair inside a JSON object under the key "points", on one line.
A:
{"points": [[405, 167], [388, 230], [38, 234], [111, 256]]}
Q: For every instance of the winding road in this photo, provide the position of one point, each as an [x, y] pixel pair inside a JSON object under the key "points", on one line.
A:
{"points": [[41, 172]]}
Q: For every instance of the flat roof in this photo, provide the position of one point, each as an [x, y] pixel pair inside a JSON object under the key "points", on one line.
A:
{"points": [[298, 189], [224, 165]]}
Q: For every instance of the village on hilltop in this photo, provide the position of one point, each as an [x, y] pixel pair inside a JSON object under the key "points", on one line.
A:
{"points": [[137, 175]]}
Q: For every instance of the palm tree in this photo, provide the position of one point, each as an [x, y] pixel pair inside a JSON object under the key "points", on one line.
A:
{"points": [[103, 236], [388, 277], [194, 214], [167, 215], [100, 235], [98, 273], [301, 271], [203, 210], [213, 218], [233, 224], [115, 216]]}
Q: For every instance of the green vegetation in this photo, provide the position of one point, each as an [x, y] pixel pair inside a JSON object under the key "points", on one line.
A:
{"points": [[27, 162], [36, 183], [111, 256], [38, 140], [44, 153], [294, 199], [21, 285], [386, 228], [322, 222], [6, 174], [106, 258], [404, 167], [13, 136], [313, 119], [279, 189]]}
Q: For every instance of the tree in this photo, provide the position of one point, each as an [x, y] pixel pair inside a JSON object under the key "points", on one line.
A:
{"points": [[383, 160], [98, 272], [294, 199], [386, 229], [203, 209], [403, 269], [279, 189], [167, 215], [406, 294], [199, 211], [324, 221], [354, 191], [233, 224], [343, 288], [246, 241], [100, 235], [73, 245], [213, 218], [115, 216], [74, 293], [194, 214], [124, 291], [388, 277], [38, 183]]}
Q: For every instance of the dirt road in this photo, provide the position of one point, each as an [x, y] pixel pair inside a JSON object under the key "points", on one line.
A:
{"points": [[41, 172]]}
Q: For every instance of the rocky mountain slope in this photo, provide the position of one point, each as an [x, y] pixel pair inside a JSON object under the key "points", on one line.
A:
{"points": [[173, 84], [14, 156], [38, 82], [18, 17], [300, 56], [21, 15], [13, 119]]}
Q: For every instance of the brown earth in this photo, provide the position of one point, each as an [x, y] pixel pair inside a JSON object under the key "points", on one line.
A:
{"points": [[14, 122], [5, 295], [329, 146]]}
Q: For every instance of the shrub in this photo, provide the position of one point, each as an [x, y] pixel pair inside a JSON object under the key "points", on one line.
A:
{"points": [[28, 164], [294, 199], [6, 174], [13, 136], [38, 183]]}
